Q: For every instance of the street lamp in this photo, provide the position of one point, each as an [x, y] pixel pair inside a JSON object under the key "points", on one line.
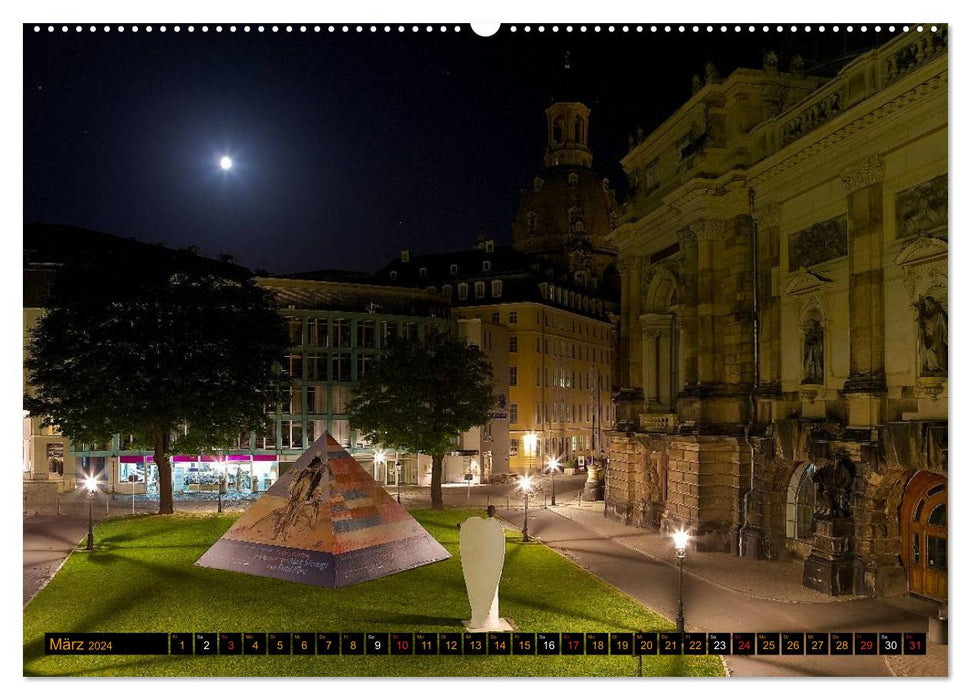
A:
{"points": [[91, 486], [526, 486], [553, 466], [397, 479], [529, 442], [680, 548]]}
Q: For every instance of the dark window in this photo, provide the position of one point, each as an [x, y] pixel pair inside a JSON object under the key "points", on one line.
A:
{"points": [[938, 516], [365, 334], [341, 367], [937, 553], [342, 333], [805, 503]]}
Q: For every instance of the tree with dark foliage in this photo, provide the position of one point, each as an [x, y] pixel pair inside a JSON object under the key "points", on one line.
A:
{"points": [[164, 347], [420, 395]]}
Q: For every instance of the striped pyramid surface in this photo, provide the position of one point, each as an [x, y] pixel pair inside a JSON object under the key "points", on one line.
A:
{"points": [[325, 522]]}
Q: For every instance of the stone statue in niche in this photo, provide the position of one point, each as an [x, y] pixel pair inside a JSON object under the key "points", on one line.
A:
{"points": [[812, 353], [833, 481], [932, 334]]}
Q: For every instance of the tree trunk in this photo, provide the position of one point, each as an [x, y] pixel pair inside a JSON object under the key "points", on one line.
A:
{"points": [[164, 473], [437, 502]]}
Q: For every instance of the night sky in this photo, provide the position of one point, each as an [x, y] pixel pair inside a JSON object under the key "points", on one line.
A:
{"points": [[346, 148]]}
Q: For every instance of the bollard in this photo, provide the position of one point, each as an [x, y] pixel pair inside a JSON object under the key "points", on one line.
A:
{"points": [[57, 500], [579, 493], [544, 500], [507, 501], [107, 505]]}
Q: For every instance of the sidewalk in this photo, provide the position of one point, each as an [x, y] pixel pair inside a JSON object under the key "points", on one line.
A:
{"points": [[727, 594]]}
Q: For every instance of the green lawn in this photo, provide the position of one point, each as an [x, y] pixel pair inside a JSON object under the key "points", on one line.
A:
{"points": [[142, 578]]}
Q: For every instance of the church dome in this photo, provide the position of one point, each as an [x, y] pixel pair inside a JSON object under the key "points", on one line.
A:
{"points": [[567, 212]]}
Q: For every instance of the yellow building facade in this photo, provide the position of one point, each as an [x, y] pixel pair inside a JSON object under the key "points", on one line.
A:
{"points": [[559, 380]]}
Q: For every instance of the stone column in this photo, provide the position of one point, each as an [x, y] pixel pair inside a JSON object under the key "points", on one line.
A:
{"points": [[634, 303], [708, 233], [770, 335], [623, 350], [865, 389], [689, 315], [656, 343]]}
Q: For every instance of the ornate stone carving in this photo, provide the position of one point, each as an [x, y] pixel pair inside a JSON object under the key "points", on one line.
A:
{"points": [[868, 171], [802, 283], [833, 480], [925, 265], [821, 242], [769, 215], [922, 209], [702, 230], [653, 477], [770, 62], [626, 264]]}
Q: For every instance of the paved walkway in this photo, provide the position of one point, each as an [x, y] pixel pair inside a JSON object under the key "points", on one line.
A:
{"points": [[48, 539], [726, 594]]}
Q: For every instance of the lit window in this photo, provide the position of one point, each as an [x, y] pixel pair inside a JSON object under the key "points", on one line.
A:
{"points": [[513, 376], [513, 413]]}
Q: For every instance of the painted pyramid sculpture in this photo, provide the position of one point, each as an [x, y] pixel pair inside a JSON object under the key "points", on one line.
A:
{"points": [[325, 522]]}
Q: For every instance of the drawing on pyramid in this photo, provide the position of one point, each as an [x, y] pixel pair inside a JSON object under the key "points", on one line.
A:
{"points": [[325, 522]]}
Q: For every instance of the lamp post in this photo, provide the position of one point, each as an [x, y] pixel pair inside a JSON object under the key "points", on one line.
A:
{"points": [[680, 548], [529, 442], [91, 485], [526, 486], [553, 466], [397, 479]]}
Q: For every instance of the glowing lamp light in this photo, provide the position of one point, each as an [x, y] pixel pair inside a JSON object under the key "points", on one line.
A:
{"points": [[553, 464], [91, 484], [680, 543], [225, 162], [526, 484], [380, 456], [529, 442]]}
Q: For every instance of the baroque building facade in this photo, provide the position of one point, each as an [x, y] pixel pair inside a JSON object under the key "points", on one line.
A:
{"points": [[783, 350]]}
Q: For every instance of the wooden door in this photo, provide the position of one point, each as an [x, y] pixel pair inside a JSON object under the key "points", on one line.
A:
{"points": [[923, 534]]}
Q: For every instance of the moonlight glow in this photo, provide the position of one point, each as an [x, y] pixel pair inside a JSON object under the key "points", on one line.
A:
{"points": [[225, 162]]}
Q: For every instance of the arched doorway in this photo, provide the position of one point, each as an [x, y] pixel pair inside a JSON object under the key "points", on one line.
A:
{"points": [[923, 534]]}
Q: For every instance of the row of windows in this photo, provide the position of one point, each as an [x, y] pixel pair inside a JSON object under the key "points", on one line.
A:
{"points": [[574, 300], [562, 446], [479, 289], [563, 378], [557, 412], [559, 347], [342, 332], [336, 366]]}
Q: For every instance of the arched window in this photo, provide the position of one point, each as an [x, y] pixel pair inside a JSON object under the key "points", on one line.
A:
{"points": [[577, 129], [558, 130], [800, 504]]}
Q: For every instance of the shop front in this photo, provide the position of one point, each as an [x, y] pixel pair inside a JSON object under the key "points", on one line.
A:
{"points": [[237, 473]]}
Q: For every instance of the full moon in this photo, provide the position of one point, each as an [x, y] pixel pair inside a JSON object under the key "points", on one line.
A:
{"points": [[225, 162]]}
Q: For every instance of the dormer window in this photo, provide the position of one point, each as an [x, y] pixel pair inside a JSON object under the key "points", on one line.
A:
{"points": [[486, 266], [393, 274], [453, 269], [490, 246], [423, 272]]}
